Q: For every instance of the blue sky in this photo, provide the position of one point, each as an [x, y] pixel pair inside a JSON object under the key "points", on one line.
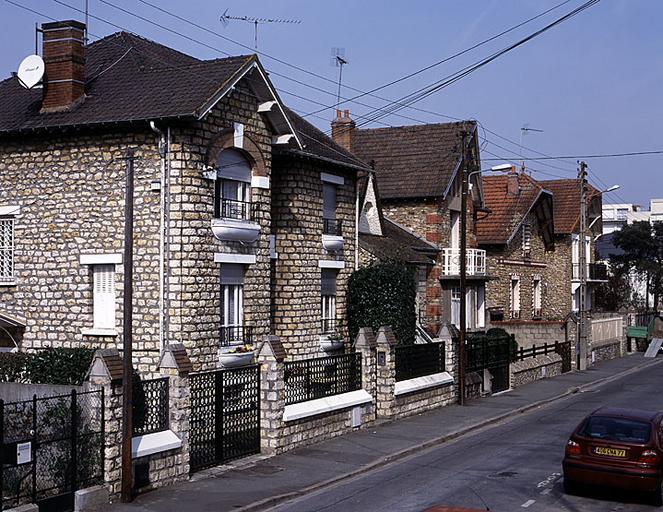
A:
{"points": [[592, 84]]}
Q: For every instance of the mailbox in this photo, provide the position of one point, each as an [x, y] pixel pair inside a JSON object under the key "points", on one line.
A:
{"points": [[382, 358], [17, 453]]}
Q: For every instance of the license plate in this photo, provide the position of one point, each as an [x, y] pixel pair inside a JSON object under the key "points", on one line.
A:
{"points": [[609, 452]]}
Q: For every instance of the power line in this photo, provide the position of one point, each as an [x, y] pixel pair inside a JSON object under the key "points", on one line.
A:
{"points": [[604, 155]]}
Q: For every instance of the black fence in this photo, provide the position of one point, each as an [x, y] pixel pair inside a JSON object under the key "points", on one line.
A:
{"points": [[489, 352], [535, 351], [236, 335], [414, 361], [332, 227], [642, 319], [309, 379], [236, 209], [150, 406], [49, 448]]}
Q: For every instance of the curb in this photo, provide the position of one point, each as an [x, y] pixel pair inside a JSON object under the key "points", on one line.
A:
{"points": [[407, 452]]}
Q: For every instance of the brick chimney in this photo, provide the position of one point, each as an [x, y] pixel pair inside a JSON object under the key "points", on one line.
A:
{"points": [[64, 57], [342, 128], [512, 183]]}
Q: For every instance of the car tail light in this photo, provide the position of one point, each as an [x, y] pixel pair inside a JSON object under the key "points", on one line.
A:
{"points": [[572, 448], [648, 457]]}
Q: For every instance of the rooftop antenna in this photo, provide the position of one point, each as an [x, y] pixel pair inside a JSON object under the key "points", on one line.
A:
{"points": [[339, 60], [226, 18], [524, 130]]}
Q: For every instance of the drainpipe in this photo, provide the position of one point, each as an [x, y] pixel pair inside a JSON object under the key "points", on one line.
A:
{"points": [[356, 226], [162, 209]]}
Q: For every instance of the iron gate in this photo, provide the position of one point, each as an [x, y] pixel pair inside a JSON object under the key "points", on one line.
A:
{"points": [[49, 448], [225, 416], [493, 353]]}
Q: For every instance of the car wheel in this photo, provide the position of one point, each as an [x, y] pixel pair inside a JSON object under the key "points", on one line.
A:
{"points": [[570, 487]]}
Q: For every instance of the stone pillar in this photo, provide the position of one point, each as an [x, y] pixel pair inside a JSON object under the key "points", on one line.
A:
{"points": [[272, 395], [365, 344], [449, 334], [385, 373]]}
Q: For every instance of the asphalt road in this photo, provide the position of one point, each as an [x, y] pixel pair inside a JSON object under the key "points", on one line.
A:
{"points": [[512, 466]]}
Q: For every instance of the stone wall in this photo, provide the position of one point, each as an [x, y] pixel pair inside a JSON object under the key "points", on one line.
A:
{"points": [[606, 350], [425, 400], [535, 368], [530, 333]]}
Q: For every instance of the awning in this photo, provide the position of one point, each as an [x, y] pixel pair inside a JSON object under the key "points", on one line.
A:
{"points": [[11, 321]]}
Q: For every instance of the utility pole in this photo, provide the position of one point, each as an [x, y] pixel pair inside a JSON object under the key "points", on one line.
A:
{"points": [[127, 334], [581, 349], [463, 273]]}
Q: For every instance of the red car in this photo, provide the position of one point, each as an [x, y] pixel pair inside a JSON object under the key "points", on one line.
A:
{"points": [[620, 448]]}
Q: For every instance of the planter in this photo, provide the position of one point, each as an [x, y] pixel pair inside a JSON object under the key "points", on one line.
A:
{"points": [[330, 345], [235, 359]]}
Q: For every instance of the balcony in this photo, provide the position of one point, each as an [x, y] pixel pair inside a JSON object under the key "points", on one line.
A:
{"points": [[595, 272], [235, 221], [235, 335], [332, 234], [476, 262]]}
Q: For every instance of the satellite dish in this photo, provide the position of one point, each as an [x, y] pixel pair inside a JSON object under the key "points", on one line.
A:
{"points": [[31, 71]]}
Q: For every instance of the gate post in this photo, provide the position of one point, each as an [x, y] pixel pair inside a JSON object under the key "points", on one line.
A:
{"points": [[272, 394], [365, 344], [385, 373]]}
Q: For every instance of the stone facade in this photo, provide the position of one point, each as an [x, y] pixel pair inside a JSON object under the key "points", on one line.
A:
{"points": [[535, 368]]}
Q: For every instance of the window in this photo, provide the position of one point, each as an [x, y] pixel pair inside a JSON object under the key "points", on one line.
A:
{"points": [[6, 250], [481, 307], [455, 229], [622, 213], [233, 186], [455, 306], [330, 224], [328, 302], [232, 304], [536, 296], [103, 297], [527, 241], [515, 297]]}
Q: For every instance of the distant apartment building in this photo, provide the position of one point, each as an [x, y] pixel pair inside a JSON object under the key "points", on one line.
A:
{"points": [[618, 215]]}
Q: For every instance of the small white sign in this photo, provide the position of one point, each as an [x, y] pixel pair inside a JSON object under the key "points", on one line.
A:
{"points": [[23, 453]]}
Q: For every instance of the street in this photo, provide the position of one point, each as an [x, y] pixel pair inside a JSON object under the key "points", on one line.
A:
{"points": [[512, 466]]}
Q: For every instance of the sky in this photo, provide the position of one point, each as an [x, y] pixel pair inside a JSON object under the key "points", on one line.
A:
{"points": [[593, 84]]}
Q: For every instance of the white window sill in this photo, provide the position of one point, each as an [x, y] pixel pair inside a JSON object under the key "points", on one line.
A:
{"points": [[99, 332], [421, 383], [7, 283], [158, 442], [323, 405]]}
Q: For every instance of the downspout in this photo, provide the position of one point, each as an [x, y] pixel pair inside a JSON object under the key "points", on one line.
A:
{"points": [[356, 225], [167, 236]]}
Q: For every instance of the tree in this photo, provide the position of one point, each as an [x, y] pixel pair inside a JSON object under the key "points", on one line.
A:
{"points": [[642, 244]]}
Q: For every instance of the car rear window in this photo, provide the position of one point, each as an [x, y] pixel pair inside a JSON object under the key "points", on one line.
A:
{"points": [[617, 429]]}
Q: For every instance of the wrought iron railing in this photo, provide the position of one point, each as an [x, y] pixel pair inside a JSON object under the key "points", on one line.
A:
{"points": [[476, 262], [328, 325], [489, 352], [236, 209], [151, 410], [319, 377], [236, 335], [414, 361], [332, 227], [595, 271]]}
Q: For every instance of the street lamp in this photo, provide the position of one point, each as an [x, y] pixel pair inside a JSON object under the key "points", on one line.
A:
{"points": [[463, 269]]}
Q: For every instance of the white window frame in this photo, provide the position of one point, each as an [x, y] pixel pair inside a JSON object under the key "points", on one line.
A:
{"points": [[103, 299], [527, 240], [536, 295], [514, 297], [328, 307], [7, 250], [455, 229], [481, 306], [455, 306], [232, 317]]}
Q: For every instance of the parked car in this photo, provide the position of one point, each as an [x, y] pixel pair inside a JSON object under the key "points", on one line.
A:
{"points": [[620, 448]]}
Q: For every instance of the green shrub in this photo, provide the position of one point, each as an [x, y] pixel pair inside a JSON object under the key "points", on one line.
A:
{"points": [[66, 366], [383, 294], [12, 366]]}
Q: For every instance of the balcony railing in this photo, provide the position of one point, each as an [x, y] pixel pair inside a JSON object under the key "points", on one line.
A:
{"points": [[236, 335], [328, 325], [595, 272], [332, 227], [236, 209], [476, 262]]}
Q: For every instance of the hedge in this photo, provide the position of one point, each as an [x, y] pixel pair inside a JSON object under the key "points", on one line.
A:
{"points": [[383, 294], [66, 366]]}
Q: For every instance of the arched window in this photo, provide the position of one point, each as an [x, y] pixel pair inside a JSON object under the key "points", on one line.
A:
{"points": [[233, 186]]}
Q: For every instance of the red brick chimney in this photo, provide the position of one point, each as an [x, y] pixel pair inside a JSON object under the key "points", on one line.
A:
{"points": [[342, 128], [512, 183], [64, 57]]}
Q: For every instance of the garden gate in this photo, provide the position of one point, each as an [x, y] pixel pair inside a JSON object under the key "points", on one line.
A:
{"points": [[493, 353], [225, 415], [49, 448]]}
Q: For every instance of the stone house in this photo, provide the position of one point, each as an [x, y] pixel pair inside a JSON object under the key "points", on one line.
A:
{"points": [[528, 279], [417, 171], [244, 220]]}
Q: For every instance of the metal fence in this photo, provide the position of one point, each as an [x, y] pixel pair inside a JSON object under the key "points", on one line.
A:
{"points": [[489, 352], [536, 350], [49, 448], [414, 361], [236, 335], [150, 406], [319, 377], [332, 227], [236, 209]]}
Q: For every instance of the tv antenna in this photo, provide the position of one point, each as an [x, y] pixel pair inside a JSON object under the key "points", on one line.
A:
{"points": [[339, 60], [524, 130], [226, 18]]}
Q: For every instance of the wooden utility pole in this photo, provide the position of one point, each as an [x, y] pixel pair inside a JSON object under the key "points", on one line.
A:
{"points": [[463, 273], [127, 332], [581, 349]]}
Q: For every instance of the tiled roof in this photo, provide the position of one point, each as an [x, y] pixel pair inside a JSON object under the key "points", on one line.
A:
{"points": [[129, 78], [507, 211], [317, 144], [412, 161], [398, 243], [566, 193]]}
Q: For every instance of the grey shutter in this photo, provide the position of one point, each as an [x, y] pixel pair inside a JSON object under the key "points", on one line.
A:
{"points": [[328, 281], [328, 201], [232, 273], [232, 165]]}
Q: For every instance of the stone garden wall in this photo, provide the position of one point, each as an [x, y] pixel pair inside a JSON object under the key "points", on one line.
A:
{"points": [[535, 368]]}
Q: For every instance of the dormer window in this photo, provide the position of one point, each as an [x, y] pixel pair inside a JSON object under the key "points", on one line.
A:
{"points": [[233, 187]]}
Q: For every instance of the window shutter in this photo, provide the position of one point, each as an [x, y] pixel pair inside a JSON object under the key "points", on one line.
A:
{"points": [[6, 249], [328, 201], [104, 296], [232, 274], [232, 165], [328, 281]]}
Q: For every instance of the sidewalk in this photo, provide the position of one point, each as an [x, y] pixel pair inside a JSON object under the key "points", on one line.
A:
{"points": [[253, 483]]}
